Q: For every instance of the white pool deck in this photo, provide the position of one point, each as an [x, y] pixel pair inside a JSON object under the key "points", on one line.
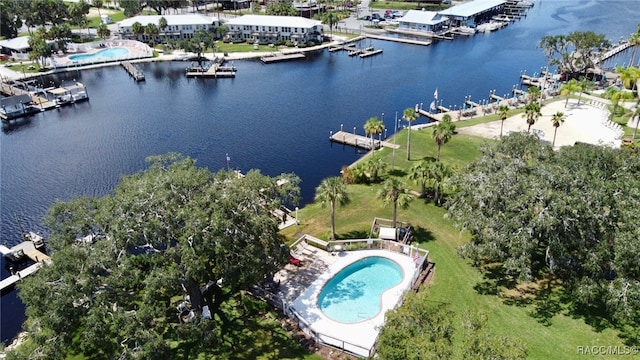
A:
{"points": [[360, 337]]}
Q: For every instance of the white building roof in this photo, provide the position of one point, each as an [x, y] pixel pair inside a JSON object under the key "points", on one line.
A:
{"points": [[266, 20], [19, 43], [423, 17], [188, 19], [472, 8]]}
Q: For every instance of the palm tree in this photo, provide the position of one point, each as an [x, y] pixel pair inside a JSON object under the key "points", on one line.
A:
{"points": [[443, 132], [438, 173], [330, 18], [533, 93], [103, 31], [531, 113], [374, 166], [151, 30], [393, 192], [409, 115], [628, 76], [373, 127], [419, 173], [556, 120], [569, 88], [333, 191], [98, 5], [585, 85], [137, 29], [635, 113], [503, 112], [162, 25]]}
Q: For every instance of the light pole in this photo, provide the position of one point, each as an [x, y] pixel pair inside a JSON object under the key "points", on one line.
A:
{"points": [[297, 216]]}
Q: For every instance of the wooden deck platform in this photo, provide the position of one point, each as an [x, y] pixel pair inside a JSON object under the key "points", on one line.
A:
{"points": [[434, 117], [359, 141], [133, 71], [29, 249], [277, 57]]}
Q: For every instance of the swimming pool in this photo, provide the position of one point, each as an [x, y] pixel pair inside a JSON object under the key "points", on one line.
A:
{"points": [[106, 53], [354, 293]]}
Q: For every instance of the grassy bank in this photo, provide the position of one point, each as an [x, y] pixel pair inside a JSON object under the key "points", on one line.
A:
{"points": [[543, 323]]}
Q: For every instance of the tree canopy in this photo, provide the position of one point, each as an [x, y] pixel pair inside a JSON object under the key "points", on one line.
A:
{"points": [[570, 214], [169, 233], [574, 53], [421, 329]]}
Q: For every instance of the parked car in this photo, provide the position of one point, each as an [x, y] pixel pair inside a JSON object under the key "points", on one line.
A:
{"points": [[368, 18]]}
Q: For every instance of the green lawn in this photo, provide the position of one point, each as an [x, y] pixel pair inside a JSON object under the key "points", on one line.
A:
{"points": [[544, 324]]}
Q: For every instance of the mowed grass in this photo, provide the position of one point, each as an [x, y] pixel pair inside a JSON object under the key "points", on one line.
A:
{"points": [[545, 325]]}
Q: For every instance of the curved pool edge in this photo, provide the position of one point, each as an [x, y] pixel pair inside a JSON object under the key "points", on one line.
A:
{"points": [[363, 334], [381, 297]]}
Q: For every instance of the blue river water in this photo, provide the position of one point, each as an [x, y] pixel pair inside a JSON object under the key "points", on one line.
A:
{"points": [[274, 117]]}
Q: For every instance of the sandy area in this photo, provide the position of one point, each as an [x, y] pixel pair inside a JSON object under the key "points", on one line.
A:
{"points": [[584, 122]]}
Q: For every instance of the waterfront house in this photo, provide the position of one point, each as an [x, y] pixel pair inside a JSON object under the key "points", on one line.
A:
{"points": [[271, 29], [18, 48], [178, 26], [424, 21]]}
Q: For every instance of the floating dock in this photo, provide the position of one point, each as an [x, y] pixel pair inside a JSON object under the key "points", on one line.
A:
{"points": [[20, 102], [277, 57], [133, 71], [371, 53], [359, 141], [400, 40]]}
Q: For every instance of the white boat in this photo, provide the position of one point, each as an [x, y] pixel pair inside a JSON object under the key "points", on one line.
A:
{"points": [[64, 99], [503, 18], [467, 30], [489, 26]]}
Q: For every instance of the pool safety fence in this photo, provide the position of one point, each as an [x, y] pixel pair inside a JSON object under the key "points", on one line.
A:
{"points": [[328, 340]]}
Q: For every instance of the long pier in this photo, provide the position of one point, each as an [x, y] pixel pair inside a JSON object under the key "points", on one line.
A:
{"points": [[612, 52], [400, 40], [359, 141], [276, 57], [133, 71]]}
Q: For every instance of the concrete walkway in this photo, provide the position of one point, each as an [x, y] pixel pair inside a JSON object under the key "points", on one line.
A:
{"points": [[584, 122]]}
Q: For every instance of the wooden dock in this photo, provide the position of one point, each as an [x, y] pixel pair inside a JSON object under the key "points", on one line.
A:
{"points": [[360, 51], [400, 40], [359, 141], [612, 52], [133, 71], [216, 70], [28, 248], [431, 116], [345, 47], [277, 57]]}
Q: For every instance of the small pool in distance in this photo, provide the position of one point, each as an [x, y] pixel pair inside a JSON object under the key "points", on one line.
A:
{"points": [[354, 293], [106, 53]]}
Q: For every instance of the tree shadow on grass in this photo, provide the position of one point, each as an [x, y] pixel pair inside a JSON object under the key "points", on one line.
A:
{"points": [[494, 279], [353, 234], [422, 235], [397, 173]]}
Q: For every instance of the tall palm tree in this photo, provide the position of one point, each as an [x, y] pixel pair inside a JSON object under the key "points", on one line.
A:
{"points": [[373, 127], [330, 18], [443, 132], [333, 191], [137, 29], [556, 120], [531, 113], [628, 76], [635, 113], [393, 192], [410, 116], [162, 25], [151, 30], [569, 88], [438, 173], [419, 173], [503, 112]]}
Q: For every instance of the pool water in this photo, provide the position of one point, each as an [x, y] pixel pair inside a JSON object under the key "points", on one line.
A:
{"points": [[354, 293], [106, 53]]}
